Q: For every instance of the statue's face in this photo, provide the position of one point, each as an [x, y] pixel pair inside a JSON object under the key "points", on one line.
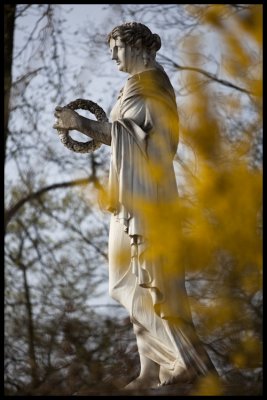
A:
{"points": [[122, 54]]}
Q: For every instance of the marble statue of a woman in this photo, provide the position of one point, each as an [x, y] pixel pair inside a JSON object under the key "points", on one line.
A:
{"points": [[143, 136]]}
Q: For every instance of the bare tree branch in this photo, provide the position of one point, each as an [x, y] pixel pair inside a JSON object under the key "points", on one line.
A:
{"points": [[33, 196], [9, 23], [31, 35], [209, 75], [20, 11]]}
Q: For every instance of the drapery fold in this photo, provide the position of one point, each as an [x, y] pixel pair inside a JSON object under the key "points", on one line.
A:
{"points": [[144, 141]]}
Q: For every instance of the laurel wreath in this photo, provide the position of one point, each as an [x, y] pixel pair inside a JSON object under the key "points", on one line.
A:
{"points": [[74, 145]]}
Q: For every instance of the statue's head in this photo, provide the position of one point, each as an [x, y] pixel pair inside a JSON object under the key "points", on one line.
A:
{"points": [[133, 43]]}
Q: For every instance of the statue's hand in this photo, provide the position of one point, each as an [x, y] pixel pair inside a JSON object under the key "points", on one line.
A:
{"points": [[66, 119]]}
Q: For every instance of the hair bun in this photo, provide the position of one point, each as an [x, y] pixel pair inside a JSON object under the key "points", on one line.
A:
{"points": [[156, 41]]}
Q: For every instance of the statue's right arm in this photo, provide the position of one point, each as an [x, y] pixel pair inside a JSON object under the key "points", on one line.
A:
{"points": [[70, 120], [100, 131]]}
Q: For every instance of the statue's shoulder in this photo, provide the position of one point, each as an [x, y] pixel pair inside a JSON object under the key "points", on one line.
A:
{"points": [[153, 80], [150, 75]]}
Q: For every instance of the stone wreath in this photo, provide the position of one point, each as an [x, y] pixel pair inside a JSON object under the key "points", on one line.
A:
{"points": [[74, 145]]}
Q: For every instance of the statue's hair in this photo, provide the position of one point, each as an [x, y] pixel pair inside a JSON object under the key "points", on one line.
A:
{"points": [[131, 33]]}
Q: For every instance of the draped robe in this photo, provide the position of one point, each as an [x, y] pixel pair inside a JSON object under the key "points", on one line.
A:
{"points": [[145, 132]]}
